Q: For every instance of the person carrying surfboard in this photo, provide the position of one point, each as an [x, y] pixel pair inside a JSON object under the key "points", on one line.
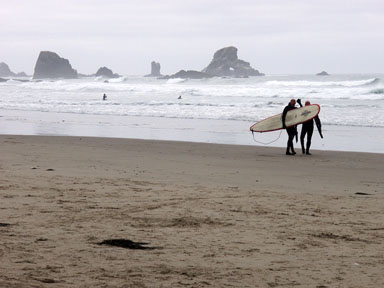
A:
{"points": [[291, 131], [307, 129]]}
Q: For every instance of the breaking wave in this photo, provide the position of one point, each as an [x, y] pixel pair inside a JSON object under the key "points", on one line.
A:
{"points": [[306, 83], [374, 81], [348, 99]]}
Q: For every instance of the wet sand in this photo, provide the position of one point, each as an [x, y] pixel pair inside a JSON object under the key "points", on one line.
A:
{"points": [[213, 215], [336, 138]]}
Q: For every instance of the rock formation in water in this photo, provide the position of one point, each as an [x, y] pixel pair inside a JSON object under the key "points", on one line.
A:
{"points": [[6, 72], [226, 63], [155, 70], [106, 73], [51, 65], [21, 74], [190, 74], [322, 73]]}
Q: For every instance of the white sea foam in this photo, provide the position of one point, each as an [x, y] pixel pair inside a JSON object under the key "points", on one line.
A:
{"points": [[11, 81], [345, 100], [175, 80], [306, 83], [117, 80]]}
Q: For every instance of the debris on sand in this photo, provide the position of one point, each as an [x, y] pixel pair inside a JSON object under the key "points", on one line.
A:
{"points": [[125, 243]]}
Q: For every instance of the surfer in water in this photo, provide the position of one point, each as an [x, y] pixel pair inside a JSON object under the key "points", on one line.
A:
{"points": [[292, 131], [307, 129]]}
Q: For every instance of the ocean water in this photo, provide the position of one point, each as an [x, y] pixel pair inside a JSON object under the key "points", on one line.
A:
{"points": [[219, 105]]}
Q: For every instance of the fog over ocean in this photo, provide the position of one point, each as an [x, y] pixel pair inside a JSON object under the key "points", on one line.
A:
{"points": [[216, 110]]}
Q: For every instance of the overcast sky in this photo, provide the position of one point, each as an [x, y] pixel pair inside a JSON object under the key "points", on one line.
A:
{"points": [[275, 36]]}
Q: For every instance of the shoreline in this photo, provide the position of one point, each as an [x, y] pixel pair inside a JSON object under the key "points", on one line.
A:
{"points": [[336, 138], [278, 150], [212, 215]]}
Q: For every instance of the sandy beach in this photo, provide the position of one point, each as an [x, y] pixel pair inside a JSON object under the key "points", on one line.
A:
{"points": [[212, 215]]}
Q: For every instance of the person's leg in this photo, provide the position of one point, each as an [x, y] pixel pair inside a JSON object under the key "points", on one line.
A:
{"points": [[292, 149], [309, 141], [291, 136], [302, 136], [288, 143]]}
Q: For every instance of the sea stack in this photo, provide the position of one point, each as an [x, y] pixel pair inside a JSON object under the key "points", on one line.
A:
{"points": [[51, 65], [106, 73], [5, 71], [226, 63], [155, 70]]}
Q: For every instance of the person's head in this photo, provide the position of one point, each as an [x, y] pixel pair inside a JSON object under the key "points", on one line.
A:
{"points": [[292, 102], [307, 103]]}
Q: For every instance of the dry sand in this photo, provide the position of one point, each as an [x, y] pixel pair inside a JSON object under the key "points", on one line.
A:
{"points": [[216, 215]]}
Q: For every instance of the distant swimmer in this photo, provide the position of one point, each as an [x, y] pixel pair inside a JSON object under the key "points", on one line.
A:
{"points": [[307, 129], [179, 97], [291, 131], [104, 97]]}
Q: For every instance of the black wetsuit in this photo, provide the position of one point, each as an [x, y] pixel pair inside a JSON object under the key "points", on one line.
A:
{"points": [[307, 129], [291, 131]]}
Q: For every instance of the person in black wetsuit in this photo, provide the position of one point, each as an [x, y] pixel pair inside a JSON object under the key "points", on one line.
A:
{"points": [[307, 129], [291, 131]]}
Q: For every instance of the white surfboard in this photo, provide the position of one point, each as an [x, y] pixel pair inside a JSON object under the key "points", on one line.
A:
{"points": [[293, 117]]}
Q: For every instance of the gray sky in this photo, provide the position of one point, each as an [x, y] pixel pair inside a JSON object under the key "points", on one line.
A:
{"points": [[275, 36]]}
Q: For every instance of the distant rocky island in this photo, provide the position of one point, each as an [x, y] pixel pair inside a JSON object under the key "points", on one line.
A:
{"points": [[322, 73], [5, 71], [106, 73], [51, 65], [225, 63], [155, 70]]}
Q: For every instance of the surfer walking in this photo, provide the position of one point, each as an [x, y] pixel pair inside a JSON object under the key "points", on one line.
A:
{"points": [[307, 130], [291, 131], [104, 97]]}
